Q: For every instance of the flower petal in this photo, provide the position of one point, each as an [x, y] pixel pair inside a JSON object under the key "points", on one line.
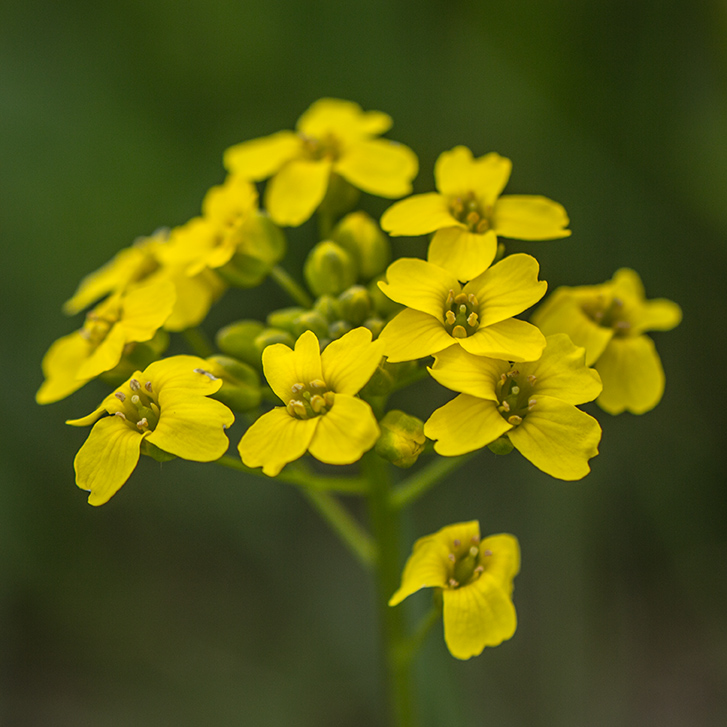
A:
{"points": [[344, 120], [107, 459], [461, 371], [477, 615], [465, 254], [412, 334], [295, 192], [418, 215], [284, 367], [379, 166], [180, 373], [632, 375], [465, 424], [60, 366], [347, 431], [105, 356], [419, 285], [350, 361], [503, 560], [507, 288], [275, 439], [512, 340], [529, 217], [658, 314], [457, 174], [145, 308], [258, 159], [557, 438]]}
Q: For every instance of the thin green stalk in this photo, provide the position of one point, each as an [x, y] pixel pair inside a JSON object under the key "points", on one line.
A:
{"points": [[417, 484], [414, 642], [386, 528], [293, 289], [342, 523], [198, 341]]}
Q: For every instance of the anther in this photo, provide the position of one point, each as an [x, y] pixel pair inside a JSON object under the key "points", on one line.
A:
{"points": [[147, 386], [210, 376], [488, 552], [329, 397], [532, 379], [515, 389], [317, 403], [456, 542], [503, 378], [299, 409], [453, 583], [471, 298], [450, 317], [472, 218], [120, 414], [318, 384], [531, 403], [482, 226], [120, 396], [142, 423], [474, 551], [472, 320], [475, 539], [295, 388], [450, 298], [459, 332], [452, 557], [479, 569], [505, 405], [515, 420], [135, 400], [134, 385]]}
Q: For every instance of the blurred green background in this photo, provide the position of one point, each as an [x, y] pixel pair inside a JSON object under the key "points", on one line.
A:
{"points": [[198, 596]]}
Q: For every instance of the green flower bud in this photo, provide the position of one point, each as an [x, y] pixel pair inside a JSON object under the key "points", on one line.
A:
{"points": [[238, 340], [402, 438], [329, 269], [375, 325], [311, 320], [268, 337], [285, 318], [328, 307], [240, 388], [260, 246], [341, 196], [355, 305], [359, 235], [338, 328], [383, 305], [137, 356], [502, 445]]}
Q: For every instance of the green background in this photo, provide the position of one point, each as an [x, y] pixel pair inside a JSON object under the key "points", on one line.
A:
{"points": [[198, 596]]}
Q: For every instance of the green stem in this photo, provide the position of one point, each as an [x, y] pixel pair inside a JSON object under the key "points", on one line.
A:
{"points": [[416, 375], [293, 289], [301, 476], [353, 535], [198, 341], [414, 642], [386, 528], [415, 486]]}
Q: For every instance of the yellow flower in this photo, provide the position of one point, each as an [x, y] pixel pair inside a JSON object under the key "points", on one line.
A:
{"points": [[468, 214], [123, 318], [609, 321], [478, 317], [475, 577], [532, 404], [321, 414], [331, 137], [165, 406]]}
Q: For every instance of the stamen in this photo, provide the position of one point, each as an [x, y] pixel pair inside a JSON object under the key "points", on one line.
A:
{"points": [[120, 396], [515, 389], [295, 388], [450, 317], [472, 218], [482, 226], [120, 414], [506, 405], [318, 384], [488, 552], [142, 423], [532, 379], [134, 385], [299, 408], [147, 386], [450, 298], [479, 569], [453, 583], [531, 403], [503, 378], [210, 376], [471, 298], [457, 542], [463, 308], [475, 539], [474, 551], [135, 400], [459, 332], [317, 403], [515, 420], [329, 397], [472, 319], [452, 557]]}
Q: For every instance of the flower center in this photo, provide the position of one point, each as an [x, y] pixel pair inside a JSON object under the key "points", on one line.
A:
{"points": [[97, 326], [466, 209], [310, 400], [325, 148], [461, 317], [141, 406], [465, 562], [515, 394], [607, 313]]}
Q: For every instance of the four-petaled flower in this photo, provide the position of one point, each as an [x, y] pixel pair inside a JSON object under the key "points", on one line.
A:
{"points": [[532, 404], [165, 406], [332, 137], [468, 213], [609, 321], [321, 414], [476, 580], [478, 317]]}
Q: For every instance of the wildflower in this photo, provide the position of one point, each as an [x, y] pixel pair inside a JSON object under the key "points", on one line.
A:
{"points": [[478, 317], [332, 137], [475, 578], [468, 214], [164, 407], [610, 321], [321, 414], [532, 404], [121, 319]]}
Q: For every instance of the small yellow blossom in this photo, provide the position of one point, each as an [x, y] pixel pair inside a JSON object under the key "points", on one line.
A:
{"points": [[165, 406], [468, 214], [123, 318], [476, 581], [332, 137], [478, 317], [321, 414], [533, 404], [610, 321]]}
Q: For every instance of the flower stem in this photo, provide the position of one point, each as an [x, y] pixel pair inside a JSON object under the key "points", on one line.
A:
{"points": [[412, 644], [293, 289], [198, 341], [386, 527], [417, 484], [353, 535]]}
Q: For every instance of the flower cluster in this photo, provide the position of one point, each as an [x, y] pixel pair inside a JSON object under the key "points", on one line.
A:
{"points": [[315, 377]]}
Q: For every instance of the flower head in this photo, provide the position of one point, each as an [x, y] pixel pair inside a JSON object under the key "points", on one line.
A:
{"points": [[610, 321], [321, 414], [532, 404], [166, 406], [468, 214], [475, 577], [331, 137], [478, 316]]}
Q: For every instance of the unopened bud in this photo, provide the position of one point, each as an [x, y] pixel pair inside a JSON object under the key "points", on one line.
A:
{"points": [[355, 304], [328, 307], [402, 438], [502, 445], [240, 388], [359, 234], [310, 320], [329, 269], [238, 340]]}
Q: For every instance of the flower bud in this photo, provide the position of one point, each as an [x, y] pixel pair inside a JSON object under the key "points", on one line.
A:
{"points": [[285, 318], [268, 337], [360, 236], [375, 325], [338, 328], [402, 438], [328, 307], [383, 305], [240, 389], [310, 320], [502, 445], [341, 196], [355, 304], [329, 269], [238, 340]]}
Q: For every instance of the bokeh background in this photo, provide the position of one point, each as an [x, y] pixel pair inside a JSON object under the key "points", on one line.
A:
{"points": [[200, 596]]}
